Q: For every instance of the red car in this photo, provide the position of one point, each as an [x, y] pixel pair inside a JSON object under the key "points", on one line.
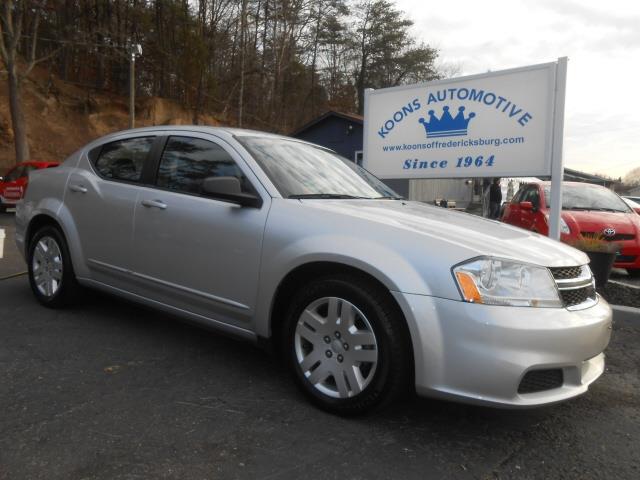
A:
{"points": [[13, 184], [586, 210]]}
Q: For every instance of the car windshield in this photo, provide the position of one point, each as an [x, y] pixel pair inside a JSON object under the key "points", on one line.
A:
{"points": [[578, 197], [300, 170]]}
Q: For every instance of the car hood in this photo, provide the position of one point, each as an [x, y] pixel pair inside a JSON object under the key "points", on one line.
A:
{"points": [[595, 221], [434, 227]]}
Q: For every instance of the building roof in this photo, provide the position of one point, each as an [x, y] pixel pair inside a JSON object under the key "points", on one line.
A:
{"points": [[571, 174], [352, 117]]}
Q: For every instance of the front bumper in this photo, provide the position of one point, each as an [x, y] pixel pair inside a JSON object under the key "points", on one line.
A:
{"points": [[629, 256], [480, 353]]}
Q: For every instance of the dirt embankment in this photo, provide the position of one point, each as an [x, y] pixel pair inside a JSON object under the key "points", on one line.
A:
{"points": [[62, 117]]}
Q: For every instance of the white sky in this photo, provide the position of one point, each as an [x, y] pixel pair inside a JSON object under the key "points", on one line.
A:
{"points": [[601, 39]]}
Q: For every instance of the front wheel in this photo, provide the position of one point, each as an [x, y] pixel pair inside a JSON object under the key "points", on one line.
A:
{"points": [[51, 273], [346, 344]]}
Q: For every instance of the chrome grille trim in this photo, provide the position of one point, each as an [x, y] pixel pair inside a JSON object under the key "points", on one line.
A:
{"points": [[574, 283]]}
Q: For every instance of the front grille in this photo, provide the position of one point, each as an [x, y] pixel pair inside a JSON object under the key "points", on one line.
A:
{"points": [[565, 273], [626, 258], [577, 296], [618, 237], [541, 380], [575, 285]]}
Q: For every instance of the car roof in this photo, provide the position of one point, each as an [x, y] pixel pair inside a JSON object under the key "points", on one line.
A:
{"points": [[225, 131], [221, 131]]}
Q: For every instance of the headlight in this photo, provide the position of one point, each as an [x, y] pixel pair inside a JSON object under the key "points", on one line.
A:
{"points": [[495, 281], [564, 228]]}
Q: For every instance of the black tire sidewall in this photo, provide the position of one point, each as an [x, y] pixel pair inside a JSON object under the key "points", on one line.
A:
{"points": [[387, 342], [67, 285]]}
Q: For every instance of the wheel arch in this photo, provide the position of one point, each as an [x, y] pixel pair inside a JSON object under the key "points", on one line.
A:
{"points": [[36, 223], [45, 217], [303, 274]]}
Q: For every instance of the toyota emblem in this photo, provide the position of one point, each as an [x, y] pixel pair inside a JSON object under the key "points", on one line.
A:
{"points": [[609, 232]]}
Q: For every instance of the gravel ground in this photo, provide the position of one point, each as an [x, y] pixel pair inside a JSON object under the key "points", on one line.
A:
{"points": [[618, 293]]}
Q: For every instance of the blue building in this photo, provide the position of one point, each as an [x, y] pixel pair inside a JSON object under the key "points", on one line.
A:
{"points": [[342, 133]]}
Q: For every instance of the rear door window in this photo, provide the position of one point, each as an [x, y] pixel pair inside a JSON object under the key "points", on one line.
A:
{"points": [[124, 159]]}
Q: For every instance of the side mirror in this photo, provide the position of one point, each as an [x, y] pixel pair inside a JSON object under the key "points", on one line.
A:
{"points": [[229, 189], [526, 205]]}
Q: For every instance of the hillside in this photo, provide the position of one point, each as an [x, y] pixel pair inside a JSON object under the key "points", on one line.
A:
{"points": [[62, 117]]}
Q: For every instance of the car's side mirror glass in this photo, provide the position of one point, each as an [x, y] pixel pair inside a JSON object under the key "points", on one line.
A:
{"points": [[229, 189]]}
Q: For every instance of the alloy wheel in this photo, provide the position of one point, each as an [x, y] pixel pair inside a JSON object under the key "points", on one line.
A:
{"points": [[336, 347], [47, 266]]}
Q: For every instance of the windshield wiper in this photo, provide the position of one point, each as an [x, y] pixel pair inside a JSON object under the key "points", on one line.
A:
{"points": [[326, 196], [607, 210], [594, 209], [388, 198]]}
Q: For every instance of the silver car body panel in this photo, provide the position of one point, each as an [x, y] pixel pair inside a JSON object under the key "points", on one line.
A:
{"points": [[218, 264]]}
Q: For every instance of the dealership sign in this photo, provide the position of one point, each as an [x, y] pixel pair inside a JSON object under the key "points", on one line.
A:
{"points": [[497, 124]]}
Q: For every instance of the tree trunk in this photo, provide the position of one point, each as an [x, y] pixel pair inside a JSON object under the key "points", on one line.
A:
{"points": [[17, 115]]}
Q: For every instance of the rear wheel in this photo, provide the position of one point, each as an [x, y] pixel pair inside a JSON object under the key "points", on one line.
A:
{"points": [[345, 342], [51, 273]]}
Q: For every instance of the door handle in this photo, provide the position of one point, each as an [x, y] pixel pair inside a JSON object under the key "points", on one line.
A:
{"points": [[77, 188], [154, 204]]}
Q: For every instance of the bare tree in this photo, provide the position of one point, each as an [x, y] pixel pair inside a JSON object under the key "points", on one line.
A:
{"points": [[12, 23]]}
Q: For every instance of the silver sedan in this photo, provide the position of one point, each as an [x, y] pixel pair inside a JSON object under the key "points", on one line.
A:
{"points": [[365, 295]]}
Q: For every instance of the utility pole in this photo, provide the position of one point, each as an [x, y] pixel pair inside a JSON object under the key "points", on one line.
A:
{"points": [[134, 50]]}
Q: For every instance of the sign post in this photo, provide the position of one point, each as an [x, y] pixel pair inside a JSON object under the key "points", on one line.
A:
{"points": [[498, 124], [557, 161]]}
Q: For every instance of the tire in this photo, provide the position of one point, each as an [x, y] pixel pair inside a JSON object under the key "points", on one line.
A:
{"points": [[51, 274], [634, 273], [361, 362]]}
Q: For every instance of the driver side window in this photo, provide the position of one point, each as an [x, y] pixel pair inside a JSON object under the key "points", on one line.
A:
{"points": [[532, 195], [186, 162]]}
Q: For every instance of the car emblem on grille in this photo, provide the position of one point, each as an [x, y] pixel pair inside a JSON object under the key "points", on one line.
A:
{"points": [[609, 232]]}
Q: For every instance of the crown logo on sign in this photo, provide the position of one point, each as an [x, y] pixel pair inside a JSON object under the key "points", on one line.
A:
{"points": [[446, 125]]}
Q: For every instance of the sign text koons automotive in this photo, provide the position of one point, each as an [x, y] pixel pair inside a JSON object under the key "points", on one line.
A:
{"points": [[490, 125]]}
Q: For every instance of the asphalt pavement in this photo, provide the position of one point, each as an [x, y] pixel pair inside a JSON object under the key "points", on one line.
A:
{"points": [[109, 390], [11, 262]]}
